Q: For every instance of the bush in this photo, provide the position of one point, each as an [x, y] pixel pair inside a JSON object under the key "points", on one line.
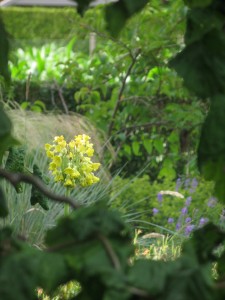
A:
{"points": [[166, 206]]}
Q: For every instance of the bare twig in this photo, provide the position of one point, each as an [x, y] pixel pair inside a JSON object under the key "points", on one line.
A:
{"points": [[15, 178], [110, 251], [28, 86], [62, 98], [145, 125], [134, 59]]}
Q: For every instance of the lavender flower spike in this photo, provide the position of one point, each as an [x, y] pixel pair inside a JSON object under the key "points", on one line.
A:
{"points": [[184, 211], [155, 211], [160, 197], [188, 201], [189, 229], [170, 220]]}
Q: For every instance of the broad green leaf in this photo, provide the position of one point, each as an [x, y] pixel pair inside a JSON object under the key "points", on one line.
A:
{"points": [[6, 140], [203, 243], [167, 170], [3, 205], [200, 22], [136, 147], [197, 3], [199, 64], [211, 149], [4, 51], [83, 5], [28, 269], [148, 145], [150, 276], [158, 145], [118, 13]]}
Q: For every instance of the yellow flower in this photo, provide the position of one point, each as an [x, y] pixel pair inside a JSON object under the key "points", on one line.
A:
{"points": [[70, 162], [68, 182], [95, 166], [57, 160], [59, 139], [48, 147], [90, 152]]}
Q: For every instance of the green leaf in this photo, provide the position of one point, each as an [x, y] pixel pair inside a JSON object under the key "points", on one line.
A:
{"points": [[36, 195], [136, 147], [203, 243], [6, 140], [211, 149], [167, 170], [83, 5], [197, 3], [4, 51], [15, 163], [118, 13], [148, 145], [3, 205], [158, 145], [199, 64], [150, 276]]}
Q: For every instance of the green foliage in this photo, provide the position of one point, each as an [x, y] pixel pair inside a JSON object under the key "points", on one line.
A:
{"points": [[36, 195], [212, 146], [3, 205], [15, 163], [123, 10], [137, 200], [5, 133], [4, 50], [200, 65], [47, 24]]}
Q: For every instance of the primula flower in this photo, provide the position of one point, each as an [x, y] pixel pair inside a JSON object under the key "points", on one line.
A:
{"points": [[71, 163]]}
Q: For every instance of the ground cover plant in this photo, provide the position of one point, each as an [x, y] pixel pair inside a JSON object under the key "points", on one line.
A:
{"points": [[93, 245]]}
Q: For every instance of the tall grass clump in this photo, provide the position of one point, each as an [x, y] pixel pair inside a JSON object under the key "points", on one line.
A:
{"points": [[34, 130]]}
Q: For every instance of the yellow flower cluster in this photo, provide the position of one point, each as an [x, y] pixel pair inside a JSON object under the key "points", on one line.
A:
{"points": [[71, 162]]}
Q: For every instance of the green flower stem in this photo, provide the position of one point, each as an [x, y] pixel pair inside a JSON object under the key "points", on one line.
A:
{"points": [[66, 206]]}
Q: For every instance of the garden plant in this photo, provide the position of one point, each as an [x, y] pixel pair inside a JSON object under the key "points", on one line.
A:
{"points": [[92, 245]]}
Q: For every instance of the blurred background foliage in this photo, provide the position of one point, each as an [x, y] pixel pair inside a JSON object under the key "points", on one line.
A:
{"points": [[124, 86], [147, 123]]}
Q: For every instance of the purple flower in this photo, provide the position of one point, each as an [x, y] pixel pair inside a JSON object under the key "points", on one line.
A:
{"points": [[188, 220], [178, 226], [178, 184], [188, 201], [202, 221], [189, 229], [170, 220], [155, 211], [194, 183], [160, 197], [212, 202], [184, 211]]}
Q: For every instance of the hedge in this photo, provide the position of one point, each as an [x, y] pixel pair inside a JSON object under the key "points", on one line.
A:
{"points": [[33, 23]]}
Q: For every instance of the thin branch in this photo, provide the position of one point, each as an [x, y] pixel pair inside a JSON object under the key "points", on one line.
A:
{"points": [[139, 292], [145, 125], [62, 98], [134, 59], [110, 251], [16, 178]]}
